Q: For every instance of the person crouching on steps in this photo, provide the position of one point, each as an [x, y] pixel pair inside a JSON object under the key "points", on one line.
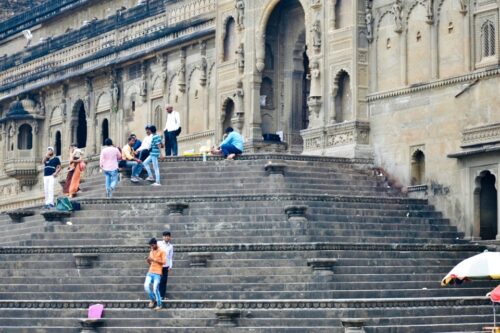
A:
{"points": [[156, 259]]}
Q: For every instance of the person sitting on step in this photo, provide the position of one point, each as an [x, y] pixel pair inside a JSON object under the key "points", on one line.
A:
{"points": [[231, 146], [130, 160], [156, 259]]}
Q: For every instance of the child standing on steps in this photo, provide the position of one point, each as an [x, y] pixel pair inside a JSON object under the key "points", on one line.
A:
{"points": [[156, 259]]}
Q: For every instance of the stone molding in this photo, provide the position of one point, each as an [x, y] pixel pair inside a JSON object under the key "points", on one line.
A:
{"points": [[440, 83], [255, 197], [262, 304], [218, 248], [481, 135]]}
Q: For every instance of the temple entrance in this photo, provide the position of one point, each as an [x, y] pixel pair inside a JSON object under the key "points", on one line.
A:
{"points": [[80, 121], [486, 203], [228, 112], [285, 84]]}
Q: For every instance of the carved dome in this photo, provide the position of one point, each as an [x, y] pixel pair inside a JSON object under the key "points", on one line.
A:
{"points": [[16, 108]]}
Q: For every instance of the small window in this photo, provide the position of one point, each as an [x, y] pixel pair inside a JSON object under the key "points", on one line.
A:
{"points": [[25, 137], [58, 143], [488, 39], [418, 168]]}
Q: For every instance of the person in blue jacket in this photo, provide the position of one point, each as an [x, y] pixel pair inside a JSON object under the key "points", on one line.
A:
{"points": [[231, 146]]}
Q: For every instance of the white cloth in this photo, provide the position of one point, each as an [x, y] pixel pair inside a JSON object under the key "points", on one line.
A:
{"points": [[169, 251], [146, 143], [48, 186], [173, 121]]}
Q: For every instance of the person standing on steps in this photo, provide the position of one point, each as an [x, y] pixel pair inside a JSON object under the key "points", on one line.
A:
{"points": [[51, 168], [108, 162], [154, 154], [156, 260], [171, 131], [231, 146], [168, 248]]}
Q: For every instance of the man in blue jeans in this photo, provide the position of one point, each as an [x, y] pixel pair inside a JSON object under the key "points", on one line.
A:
{"points": [[231, 146], [130, 160], [156, 259], [154, 154], [108, 162]]}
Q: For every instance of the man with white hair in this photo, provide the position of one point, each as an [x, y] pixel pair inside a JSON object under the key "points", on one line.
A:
{"points": [[171, 131], [52, 167]]}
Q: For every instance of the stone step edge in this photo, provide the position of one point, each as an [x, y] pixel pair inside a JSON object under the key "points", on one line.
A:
{"points": [[260, 304], [316, 246], [265, 156], [252, 197]]}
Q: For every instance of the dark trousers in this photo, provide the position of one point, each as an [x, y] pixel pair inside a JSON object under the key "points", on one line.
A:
{"points": [[163, 282], [171, 143], [228, 149], [143, 154]]}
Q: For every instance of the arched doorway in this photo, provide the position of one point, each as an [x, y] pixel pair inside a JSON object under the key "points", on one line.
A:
{"points": [[285, 72], [228, 113], [58, 144], [418, 168], [104, 130], [81, 124], [485, 203]]}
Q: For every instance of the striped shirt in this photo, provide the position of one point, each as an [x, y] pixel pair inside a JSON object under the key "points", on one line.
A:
{"points": [[155, 150]]}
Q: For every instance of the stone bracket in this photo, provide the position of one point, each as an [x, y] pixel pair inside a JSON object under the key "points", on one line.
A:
{"points": [[199, 259], [296, 213], [176, 208], [275, 168], [85, 260], [227, 317], [353, 325], [55, 216], [322, 266], [17, 216], [90, 325]]}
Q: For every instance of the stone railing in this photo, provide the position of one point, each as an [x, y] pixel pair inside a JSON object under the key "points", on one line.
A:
{"points": [[481, 135], [188, 10], [95, 28]]}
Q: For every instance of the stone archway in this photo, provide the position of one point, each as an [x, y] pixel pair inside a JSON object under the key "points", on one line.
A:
{"points": [[79, 124], [486, 206], [284, 46]]}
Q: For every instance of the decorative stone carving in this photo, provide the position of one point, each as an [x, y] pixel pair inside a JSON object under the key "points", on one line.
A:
{"points": [[481, 135], [315, 79], [240, 56], [181, 73], [88, 91], [430, 11], [115, 91], [203, 63], [85, 260], [176, 208], [63, 105], [17, 216], [90, 325], [353, 325], [296, 212], [316, 35], [463, 7], [144, 82], [55, 216], [199, 259], [322, 266], [397, 11], [240, 13], [227, 317], [315, 4], [275, 168], [314, 103], [41, 108], [369, 25]]}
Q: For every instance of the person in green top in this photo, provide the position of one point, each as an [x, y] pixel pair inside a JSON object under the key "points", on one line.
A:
{"points": [[155, 153]]}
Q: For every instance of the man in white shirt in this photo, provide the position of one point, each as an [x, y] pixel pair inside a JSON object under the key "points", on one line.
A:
{"points": [[166, 246], [171, 131], [143, 152]]}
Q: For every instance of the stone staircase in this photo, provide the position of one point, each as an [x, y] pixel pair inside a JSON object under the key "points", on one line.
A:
{"points": [[267, 243]]}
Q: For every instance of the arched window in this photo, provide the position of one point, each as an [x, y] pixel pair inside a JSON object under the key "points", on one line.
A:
{"points": [[488, 47], [25, 137], [58, 143], [418, 168], [104, 130], [230, 40]]}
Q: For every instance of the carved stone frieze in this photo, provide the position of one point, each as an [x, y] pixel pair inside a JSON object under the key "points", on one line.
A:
{"points": [[477, 136], [348, 133]]}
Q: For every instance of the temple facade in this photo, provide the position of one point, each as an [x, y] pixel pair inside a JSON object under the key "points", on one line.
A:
{"points": [[412, 87]]}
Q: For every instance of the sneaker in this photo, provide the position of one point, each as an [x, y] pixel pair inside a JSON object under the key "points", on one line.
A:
{"points": [[134, 180], [51, 206], [158, 308], [151, 304], [156, 184], [150, 179]]}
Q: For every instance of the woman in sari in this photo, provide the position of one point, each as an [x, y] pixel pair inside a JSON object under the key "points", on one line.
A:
{"points": [[72, 184]]}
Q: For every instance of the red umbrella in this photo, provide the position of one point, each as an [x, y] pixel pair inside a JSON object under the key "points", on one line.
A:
{"points": [[494, 295]]}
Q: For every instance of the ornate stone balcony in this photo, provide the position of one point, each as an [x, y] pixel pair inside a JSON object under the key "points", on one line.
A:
{"points": [[24, 170]]}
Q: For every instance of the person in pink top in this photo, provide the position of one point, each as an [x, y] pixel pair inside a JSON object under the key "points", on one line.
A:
{"points": [[108, 162]]}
